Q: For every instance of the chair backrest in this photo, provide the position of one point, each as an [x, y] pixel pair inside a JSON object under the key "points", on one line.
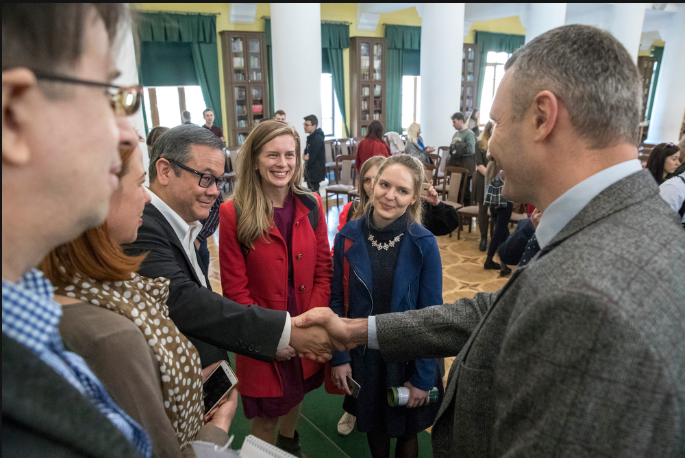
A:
{"points": [[443, 151], [437, 160], [386, 140], [331, 150], [455, 184], [233, 151], [347, 173], [346, 146], [430, 170]]}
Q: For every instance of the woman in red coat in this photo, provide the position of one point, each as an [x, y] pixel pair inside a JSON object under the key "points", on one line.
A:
{"points": [[274, 252], [372, 145]]}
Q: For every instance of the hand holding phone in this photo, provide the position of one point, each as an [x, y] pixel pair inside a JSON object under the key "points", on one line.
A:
{"points": [[353, 386], [217, 385]]}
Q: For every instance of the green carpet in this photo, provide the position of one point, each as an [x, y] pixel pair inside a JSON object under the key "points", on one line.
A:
{"points": [[318, 429]]}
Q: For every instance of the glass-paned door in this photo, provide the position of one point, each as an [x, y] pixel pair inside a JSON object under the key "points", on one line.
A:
{"points": [[366, 102], [242, 118], [365, 62], [377, 101], [238, 59], [255, 58], [377, 61], [257, 103]]}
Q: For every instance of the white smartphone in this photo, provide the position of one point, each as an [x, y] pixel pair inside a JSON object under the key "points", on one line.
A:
{"points": [[218, 385]]}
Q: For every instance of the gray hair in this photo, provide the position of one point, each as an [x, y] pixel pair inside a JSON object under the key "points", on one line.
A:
{"points": [[175, 145], [591, 73]]}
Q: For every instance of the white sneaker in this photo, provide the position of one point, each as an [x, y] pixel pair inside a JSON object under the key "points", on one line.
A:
{"points": [[346, 424]]}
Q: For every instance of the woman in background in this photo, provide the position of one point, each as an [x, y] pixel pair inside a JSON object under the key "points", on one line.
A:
{"points": [[415, 146], [663, 161], [478, 194], [372, 145], [273, 252], [500, 219], [472, 122]]}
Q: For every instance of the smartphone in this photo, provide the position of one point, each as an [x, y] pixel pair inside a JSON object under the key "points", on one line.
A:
{"points": [[353, 386], [424, 188], [218, 384]]}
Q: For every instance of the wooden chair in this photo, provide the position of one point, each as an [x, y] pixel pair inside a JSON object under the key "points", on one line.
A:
{"points": [[454, 187], [443, 152], [347, 179], [330, 151], [465, 216], [430, 171]]}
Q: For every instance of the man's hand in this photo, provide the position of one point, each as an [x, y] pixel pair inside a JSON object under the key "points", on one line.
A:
{"points": [[432, 196], [285, 354], [339, 376], [344, 333], [417, 397], [312, 342]]}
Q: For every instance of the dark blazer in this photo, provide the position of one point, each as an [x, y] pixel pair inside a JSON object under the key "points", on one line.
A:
{"points": [[209, 320], [44, 415], [511, 251], [581, 354], [315, 168]]}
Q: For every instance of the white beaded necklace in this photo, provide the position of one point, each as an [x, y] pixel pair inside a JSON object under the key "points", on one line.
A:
{"points": [[385, 246]]}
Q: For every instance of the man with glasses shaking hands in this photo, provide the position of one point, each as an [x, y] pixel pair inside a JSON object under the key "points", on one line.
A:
{"points": [[186, 177]]}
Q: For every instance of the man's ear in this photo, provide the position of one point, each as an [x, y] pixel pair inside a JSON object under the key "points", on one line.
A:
{"points": [[164, 170], [16, 115], [545, 109]]}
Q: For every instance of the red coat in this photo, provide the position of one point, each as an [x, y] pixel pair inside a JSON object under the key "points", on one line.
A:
{"points": [[368, 148], [262, 278]]}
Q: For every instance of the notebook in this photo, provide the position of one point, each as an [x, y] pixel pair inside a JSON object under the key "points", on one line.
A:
{"points": [[252, 448]]}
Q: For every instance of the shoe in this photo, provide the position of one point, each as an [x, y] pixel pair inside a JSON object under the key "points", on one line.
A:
{"points": [[346, 424], [491, 265], [291, 446], [505, 272], [483, 245]]}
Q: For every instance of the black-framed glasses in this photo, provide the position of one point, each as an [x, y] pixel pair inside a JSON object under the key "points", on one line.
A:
{"points": [[206, 179], [125, 100]]}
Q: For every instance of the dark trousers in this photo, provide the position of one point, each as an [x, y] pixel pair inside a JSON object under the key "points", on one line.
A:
{"points": [[313, 187], [500, 220]]}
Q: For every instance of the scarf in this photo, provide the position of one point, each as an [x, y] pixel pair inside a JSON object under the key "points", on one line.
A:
{"points": [[143, 301]]}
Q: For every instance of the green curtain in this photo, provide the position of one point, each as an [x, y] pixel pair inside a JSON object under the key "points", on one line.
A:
{"points": [[403, 57], [269, 66], [335, 38], [657, 53], [496, 42], [167, 64], [199, 32]]}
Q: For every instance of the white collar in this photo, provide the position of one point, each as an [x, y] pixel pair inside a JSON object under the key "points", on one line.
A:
{"points": [[570, 203], [180, 227]]}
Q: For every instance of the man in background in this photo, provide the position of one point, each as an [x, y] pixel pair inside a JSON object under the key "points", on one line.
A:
{"points": [[314, 154], [468, 158], [209, 124], [279, 116], [54, 56], [185, 117]]}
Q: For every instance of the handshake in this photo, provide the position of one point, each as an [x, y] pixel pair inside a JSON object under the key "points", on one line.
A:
{"points": [[315, 333]]}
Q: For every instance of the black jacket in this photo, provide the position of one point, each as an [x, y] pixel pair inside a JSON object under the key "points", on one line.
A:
{"points": [[44, 415], [209, 320], [315, 169], [511, 251]]}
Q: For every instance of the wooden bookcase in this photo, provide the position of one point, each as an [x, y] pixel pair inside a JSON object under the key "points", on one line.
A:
{"points": [[645, 64], [367, 83], [245, 75], [469, 79]]}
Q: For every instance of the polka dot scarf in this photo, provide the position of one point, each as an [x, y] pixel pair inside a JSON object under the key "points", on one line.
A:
{"points": [[143, 301]]}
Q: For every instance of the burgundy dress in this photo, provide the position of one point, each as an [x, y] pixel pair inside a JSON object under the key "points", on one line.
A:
{"points": [[294, 385]]}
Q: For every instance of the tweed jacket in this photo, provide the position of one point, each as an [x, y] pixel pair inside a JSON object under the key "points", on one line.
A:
{"points": [[582, 353]]}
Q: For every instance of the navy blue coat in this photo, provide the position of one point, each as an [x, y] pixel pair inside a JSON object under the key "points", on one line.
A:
{"points": [[417, 284]]}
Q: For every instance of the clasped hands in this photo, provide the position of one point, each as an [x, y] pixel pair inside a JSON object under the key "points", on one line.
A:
{"points": [[315, 334]]}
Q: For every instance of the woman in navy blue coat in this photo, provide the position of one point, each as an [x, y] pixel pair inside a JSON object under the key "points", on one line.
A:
{"points": [[394, 266]]}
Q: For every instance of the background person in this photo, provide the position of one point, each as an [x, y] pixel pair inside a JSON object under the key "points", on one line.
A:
{"points": [[185, 117], [132, 345], [466, 157], [663, 161], [279, 116], [500, 221], [52, 404], [273, 257], [522, 245], [673, 192], [415, 146], [372, 145], [152, 137], [314, 154], [208, 114], [478, 194], [473, 121], [388, 247]]}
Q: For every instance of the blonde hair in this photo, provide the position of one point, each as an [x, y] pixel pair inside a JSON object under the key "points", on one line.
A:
{"points": [[413, 132], [484, 137], [415, 166], [256, 211], [364, 198], [493, 169]]}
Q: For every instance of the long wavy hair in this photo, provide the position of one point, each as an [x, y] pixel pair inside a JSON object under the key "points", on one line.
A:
{"points": [[485, 135], [256, 211], [364, 198], [416, 169]]}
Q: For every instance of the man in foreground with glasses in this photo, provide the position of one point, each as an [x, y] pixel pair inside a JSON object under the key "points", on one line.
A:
{"points": [[186, 168], [57, 73]]}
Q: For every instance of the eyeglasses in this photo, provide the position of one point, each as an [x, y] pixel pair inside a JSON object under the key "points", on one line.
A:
{"points": [[124, 100], [206, 179]]}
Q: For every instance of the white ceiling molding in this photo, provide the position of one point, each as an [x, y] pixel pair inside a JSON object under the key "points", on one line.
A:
{"points": [[368, 21], [243, 13]]}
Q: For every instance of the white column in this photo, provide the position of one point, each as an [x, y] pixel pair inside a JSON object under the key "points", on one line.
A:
{"points": [[541, 17], [442, 43], [296, 51], [669, 100], [126, 64], [625, 23]]}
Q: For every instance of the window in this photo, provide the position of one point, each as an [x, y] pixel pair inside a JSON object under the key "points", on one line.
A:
{"points": [[411, 101], [331, 119], [494, 71], [164, 105]]}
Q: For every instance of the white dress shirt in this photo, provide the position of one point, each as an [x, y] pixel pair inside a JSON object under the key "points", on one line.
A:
{"points": [[187, 233], [560, 212], [673, 192]]}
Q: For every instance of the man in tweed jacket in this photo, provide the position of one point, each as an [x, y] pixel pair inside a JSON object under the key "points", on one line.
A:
{"points": [[582, 353]]}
